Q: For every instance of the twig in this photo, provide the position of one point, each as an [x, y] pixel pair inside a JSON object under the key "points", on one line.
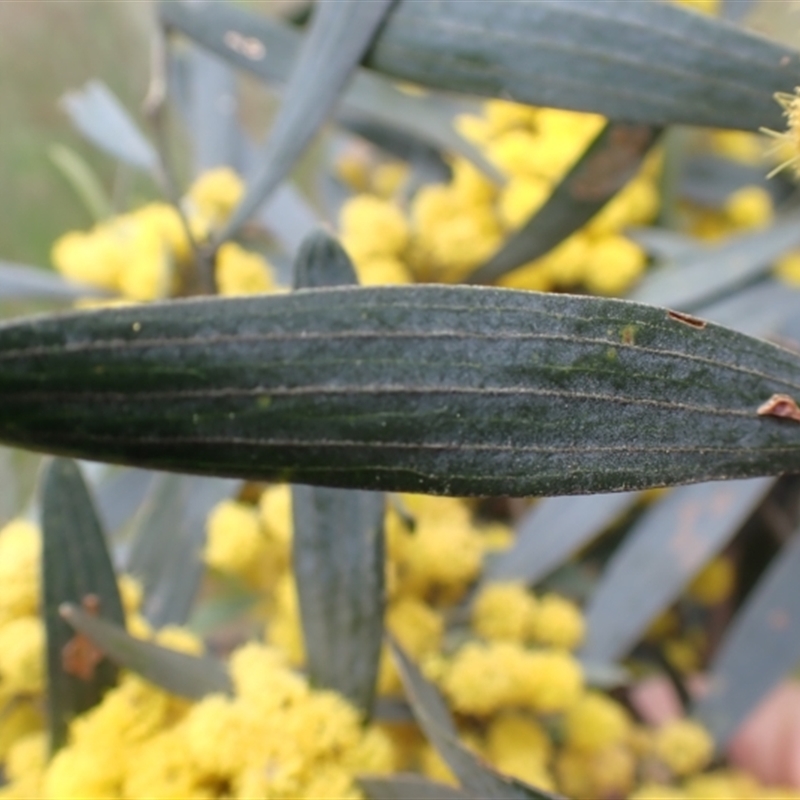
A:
{"points": [[155, 110]]}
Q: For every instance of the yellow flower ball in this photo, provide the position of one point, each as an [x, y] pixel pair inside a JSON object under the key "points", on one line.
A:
{"points": [[440, 558], [284, 629], [433, 766], [20, 719], [749, 208], [372, 226], [717, 785], [535, 276], [503, 611], [418, 627], [595, 722], [214, 195], [20, 549], [93, 258], [482, 679], [27, 756], [275, 511], [610, 772], [163, 767], [165, 220], [512, 733], [241, 272], [714, 583], [382, 270], [684, 746], [374, 754], [517, 153], [234, 543], [77, 773], [567, 263], [148, 270], [262, 678], [787, 268], [22, 656], [473, 128], [613, 265], [557, 622], [470, 184], [551, 683], [502, 115], [521, 198], [131, 593], [747, 148]]}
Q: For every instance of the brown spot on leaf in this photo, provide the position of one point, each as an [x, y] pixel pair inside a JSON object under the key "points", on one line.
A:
{"points": [[628, 334], [247, 46], [80, 655], [782, 406], [687, 319]]}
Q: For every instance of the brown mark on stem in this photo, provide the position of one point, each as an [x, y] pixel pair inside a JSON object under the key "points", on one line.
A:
{"points": [[687, 319], [80, 655], [780, 405]]}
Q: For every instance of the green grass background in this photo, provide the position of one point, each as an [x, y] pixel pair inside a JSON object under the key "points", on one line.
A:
{"points": [[48, 47]]}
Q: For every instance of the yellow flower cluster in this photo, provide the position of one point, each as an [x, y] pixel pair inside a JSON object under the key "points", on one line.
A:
{"points": [[21, 633], [452, 228], [509, 611], [143, 255], [274, 738], [22, 637]]}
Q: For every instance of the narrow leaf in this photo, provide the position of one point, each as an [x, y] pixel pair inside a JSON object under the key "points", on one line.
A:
{"points": [[659, 557], [761, 646], [607, 165], [76, 569], [212, 111], [760, 309], [455, 390], [264, 46], [212, 614], [118, 495], [552, 531], [339, 35], [168, 536], [338, 549], [703, 276], [177, 673], [286, 215], [21, 282], [338, 558], [82, 180], [322, 261], [663, 244], [409, 787], [98, 114], [433, 716], [709, 180], [649, 63]]}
